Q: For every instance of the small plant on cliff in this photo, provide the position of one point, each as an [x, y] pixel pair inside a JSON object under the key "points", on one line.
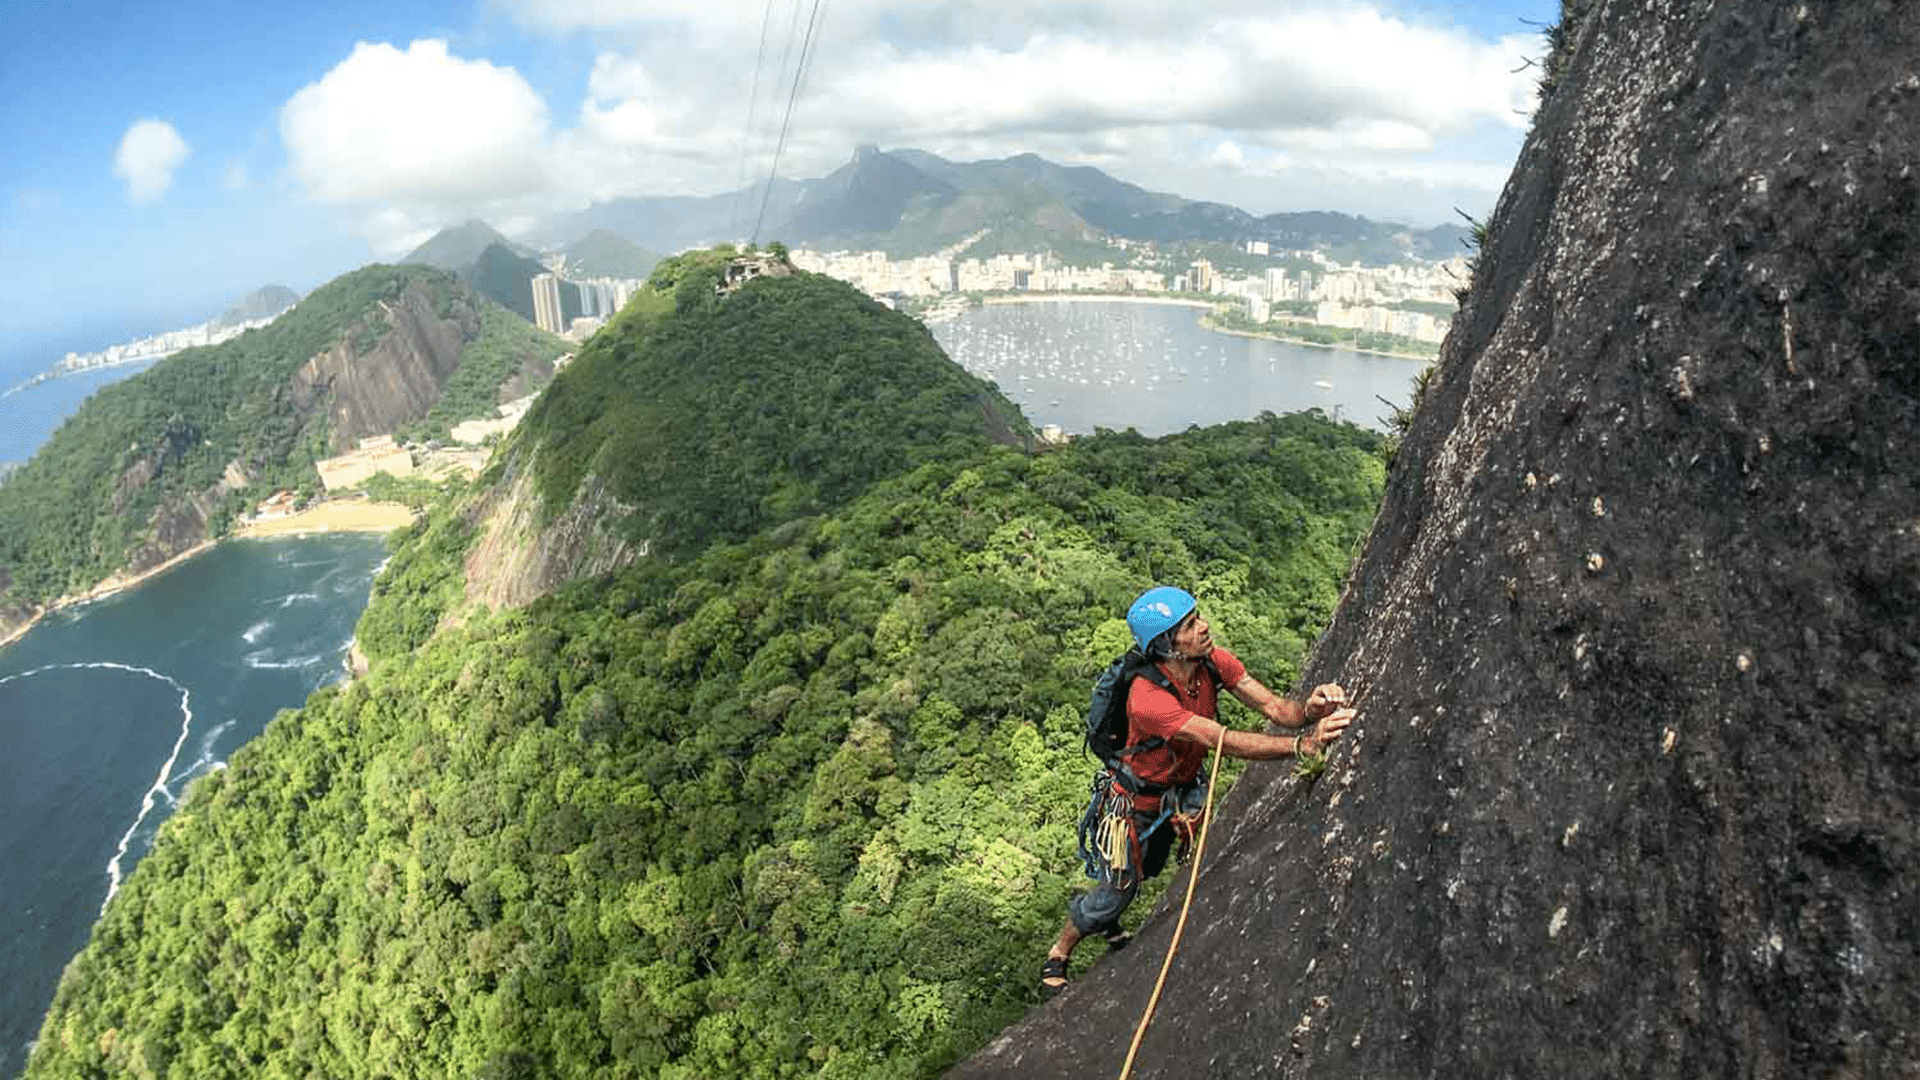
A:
{"points": [[1561, 38], [1400, 418], [1475, 242], [1310, 766]]}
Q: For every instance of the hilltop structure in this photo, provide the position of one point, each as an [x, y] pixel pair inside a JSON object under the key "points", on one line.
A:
{"points": [[1636, 636]]}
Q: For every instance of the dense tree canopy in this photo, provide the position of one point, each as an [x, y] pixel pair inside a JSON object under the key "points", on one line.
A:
{"points": [[718, 417], [796, 806], [86, 500]]}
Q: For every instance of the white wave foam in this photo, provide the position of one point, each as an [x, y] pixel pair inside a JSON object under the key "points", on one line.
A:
{"points": [[205, 762], [158, 790], [295, 598], [261, 661], [252, 633]]}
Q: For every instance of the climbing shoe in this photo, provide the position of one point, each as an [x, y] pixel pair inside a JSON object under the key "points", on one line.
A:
{"points": [[1053, 975]]}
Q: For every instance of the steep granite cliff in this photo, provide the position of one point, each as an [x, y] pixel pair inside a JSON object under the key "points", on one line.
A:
{"points": [[415, 347], [155, 465], [1635, 783]]}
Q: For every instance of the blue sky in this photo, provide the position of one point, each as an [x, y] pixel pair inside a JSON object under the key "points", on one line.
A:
{"points": [[159, 160]]}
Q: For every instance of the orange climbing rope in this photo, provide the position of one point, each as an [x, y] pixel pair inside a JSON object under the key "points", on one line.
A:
{"points": [[1193, 880]]}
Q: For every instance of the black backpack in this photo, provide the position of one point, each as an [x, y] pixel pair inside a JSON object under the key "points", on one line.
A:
{"points": [[1107, 714]]}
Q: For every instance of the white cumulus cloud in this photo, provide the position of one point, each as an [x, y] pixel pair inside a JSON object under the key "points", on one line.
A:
{"points": [[421, 132], [675, 103], [148, 154]]}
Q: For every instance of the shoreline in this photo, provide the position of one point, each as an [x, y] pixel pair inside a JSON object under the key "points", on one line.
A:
{"points": [[1095, 298], [1315, 344], [106, 588], [356, 516], [1148, 298]]}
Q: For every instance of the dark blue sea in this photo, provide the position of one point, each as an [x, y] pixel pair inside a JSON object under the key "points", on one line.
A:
{"points": [[1153, 367], [111, 710], [28, 418]]}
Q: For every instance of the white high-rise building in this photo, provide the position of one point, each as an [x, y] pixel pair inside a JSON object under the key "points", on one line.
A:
{"points": [[546, 304]]}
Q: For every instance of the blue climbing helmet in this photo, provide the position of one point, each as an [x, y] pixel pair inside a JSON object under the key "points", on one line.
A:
{"points": [[1158, 610]]}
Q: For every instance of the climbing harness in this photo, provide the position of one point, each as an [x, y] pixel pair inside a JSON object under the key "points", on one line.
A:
{"points": [[1112, 841]]}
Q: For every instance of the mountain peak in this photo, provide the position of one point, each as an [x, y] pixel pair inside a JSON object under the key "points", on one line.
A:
{"points": [[259, 304], [457, 246]]}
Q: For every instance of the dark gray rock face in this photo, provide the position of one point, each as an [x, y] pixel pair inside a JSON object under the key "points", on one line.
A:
{"points": [[1635, 788], [398, 379]]}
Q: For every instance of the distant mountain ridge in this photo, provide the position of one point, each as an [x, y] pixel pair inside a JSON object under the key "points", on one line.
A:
{"points": [[911, 202], [603, 254], [906, 203], [458, 247], [264, 302]]}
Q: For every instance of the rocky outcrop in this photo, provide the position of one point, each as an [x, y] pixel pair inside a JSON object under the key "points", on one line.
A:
{"points": [[519, 557], [1635, 788], [373, 390], [16, 616], [364, 390]]}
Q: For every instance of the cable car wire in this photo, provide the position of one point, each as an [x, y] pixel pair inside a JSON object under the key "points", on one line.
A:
{"points": [[799, 71], [753, 100]]}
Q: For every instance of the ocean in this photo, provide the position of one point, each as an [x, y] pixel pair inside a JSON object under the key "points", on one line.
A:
{"points": [[1153, 367], [28, 418], [110, 710]]}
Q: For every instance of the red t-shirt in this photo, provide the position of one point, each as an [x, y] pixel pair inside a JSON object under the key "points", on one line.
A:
{"points": [[1152, 711]]}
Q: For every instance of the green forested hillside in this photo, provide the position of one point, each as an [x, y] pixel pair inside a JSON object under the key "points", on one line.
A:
{"points": [[608, 254], [86, 500], [716, 418], [487, 364], [505, 276], [799, 806]]}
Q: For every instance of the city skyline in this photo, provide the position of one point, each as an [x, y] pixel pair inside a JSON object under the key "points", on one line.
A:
{"points": [[220, 145], [1344, 293]]}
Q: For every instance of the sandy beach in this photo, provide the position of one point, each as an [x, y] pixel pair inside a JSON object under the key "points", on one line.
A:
{"points": [[345, 516], [340, 516]]}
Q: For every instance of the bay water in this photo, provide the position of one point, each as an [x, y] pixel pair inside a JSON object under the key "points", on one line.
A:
{"points": [[1083, 364], [109, 711]]}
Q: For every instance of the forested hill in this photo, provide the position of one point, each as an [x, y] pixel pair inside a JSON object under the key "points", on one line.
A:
{"points": [[696, 418], [158, 462], [800, 805]]}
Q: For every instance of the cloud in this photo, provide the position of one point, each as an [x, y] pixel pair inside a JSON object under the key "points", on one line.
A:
{"points": [[1087, 82], [1228, 155], [391, 231], [147, 156], [422, 130], [675, 105]]}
